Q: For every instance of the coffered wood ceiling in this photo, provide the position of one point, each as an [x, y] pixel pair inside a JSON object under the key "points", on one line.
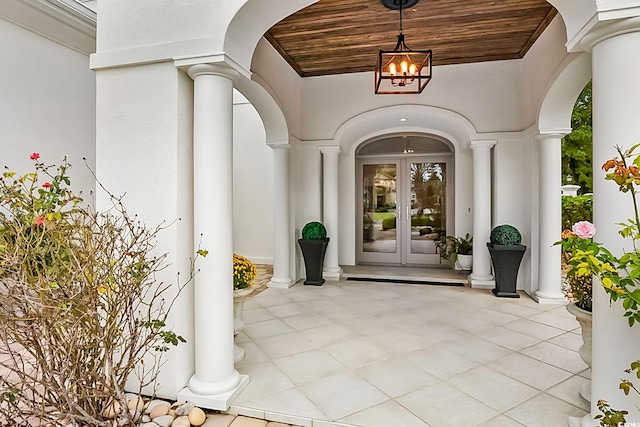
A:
{"points": [[344, 36]]}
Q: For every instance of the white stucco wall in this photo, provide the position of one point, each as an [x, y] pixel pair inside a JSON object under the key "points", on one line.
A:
{"points": [[144, 150], [252, 186], [47, 104]]}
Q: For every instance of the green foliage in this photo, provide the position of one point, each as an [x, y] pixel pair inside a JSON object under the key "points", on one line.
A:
{"points": [[314, 231], [389, 223], [610, 417], [505, 235], [576, 209], [577, 149], [449, 245]]}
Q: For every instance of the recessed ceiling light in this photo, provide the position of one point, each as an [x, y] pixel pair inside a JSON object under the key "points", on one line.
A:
{"points": [[403, 119]]}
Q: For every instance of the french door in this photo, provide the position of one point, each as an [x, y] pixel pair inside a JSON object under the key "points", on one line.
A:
{"points": [[403, 209]]}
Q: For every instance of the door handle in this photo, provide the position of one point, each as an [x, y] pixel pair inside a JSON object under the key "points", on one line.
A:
{"points": [[407, 213]]}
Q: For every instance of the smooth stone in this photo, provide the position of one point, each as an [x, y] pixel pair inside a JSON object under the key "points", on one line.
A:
{"points": [[182, 421], [145, 418], [153, 404], [111, 410], [184, 409], [197, 417], [149, 424], [136, 403], [164, 420], [160, 410]]}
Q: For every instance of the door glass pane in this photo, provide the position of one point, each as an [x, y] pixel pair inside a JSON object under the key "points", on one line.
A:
{"points": [[379, 208], [428, 214]]}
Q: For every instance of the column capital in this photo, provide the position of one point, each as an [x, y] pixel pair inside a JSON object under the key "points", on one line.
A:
{"points": [[329, 149], [609, 30], [483, 143], [212, 70], [552, 134], [280, 146]]}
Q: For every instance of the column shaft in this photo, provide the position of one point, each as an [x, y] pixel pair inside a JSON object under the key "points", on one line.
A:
{"points": [[481, 276], [332, 270], [550, 201], [615, 121], [213, 219], [281, 223]]}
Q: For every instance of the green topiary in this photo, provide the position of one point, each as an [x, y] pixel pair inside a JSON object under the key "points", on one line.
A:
{"points": [[505, 235], [314, 231]]}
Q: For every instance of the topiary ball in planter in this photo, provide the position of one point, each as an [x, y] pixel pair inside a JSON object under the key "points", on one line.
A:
{"points": [[314, 231], [505, 235]]}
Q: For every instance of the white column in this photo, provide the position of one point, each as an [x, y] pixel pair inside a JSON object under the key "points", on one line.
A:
{"points": [[615, 121], [215, 381], [281, 239], [550, 217], [330, 213], [481, 276]]}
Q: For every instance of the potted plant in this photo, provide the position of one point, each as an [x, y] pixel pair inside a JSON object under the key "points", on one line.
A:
{"points": [[314, 244], [458, 250], [244, 273], [506, 254]]}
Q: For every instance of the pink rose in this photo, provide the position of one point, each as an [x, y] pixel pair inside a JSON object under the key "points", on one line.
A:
{"points": [[584, 229], [34, 156], [46, 185], [39, 220]]}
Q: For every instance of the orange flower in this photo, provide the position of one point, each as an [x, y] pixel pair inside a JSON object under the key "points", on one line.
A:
{"points": [[610, 164], [567, 234]]}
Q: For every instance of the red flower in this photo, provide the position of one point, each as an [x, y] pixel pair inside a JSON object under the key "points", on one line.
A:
{"points": [[40, 220], [46, 185], [34, 156]]}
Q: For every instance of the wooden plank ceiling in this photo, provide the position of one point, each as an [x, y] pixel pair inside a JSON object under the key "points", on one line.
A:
{"points": [[344, 36]]}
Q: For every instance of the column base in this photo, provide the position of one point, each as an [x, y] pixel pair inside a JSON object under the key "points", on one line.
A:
{"points": [[220, 401], [481, 281], [585, 421], [549, 298], [285, 283], [333, 274]]}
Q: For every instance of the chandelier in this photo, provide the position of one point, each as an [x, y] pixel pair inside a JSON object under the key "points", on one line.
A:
{"points": [[402, 70]]}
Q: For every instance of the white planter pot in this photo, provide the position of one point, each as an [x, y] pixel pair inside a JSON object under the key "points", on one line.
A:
{"points": [[239, 298], [465, 262], [584, 318]]}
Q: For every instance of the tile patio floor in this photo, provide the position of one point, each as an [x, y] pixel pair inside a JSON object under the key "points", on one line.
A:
{"points": [[403, 355]]}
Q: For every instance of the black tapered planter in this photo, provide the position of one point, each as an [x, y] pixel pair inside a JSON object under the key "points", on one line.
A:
{"points": [[313, 253], [506, 262]]}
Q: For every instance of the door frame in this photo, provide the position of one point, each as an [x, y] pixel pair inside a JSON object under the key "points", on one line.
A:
{"points": [[403, 254]]}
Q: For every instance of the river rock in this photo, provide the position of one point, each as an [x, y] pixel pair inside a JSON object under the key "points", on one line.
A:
{"points": [[164, 420], [182, 421], [136, 403], [152, 404], [111, 410], [197, 417], [159, 410], [149, 424], [184, 409]]}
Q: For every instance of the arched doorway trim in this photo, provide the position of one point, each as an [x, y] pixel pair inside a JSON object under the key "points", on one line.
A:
{"points": [[420, 120]]}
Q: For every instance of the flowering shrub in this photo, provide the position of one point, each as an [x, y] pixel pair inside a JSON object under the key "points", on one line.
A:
{"points": [[580, 281], [620, 276], [81, 310], [244, 272]]}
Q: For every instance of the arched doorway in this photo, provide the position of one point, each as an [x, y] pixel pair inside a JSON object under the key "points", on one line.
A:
{"points": [[405, 197]]}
